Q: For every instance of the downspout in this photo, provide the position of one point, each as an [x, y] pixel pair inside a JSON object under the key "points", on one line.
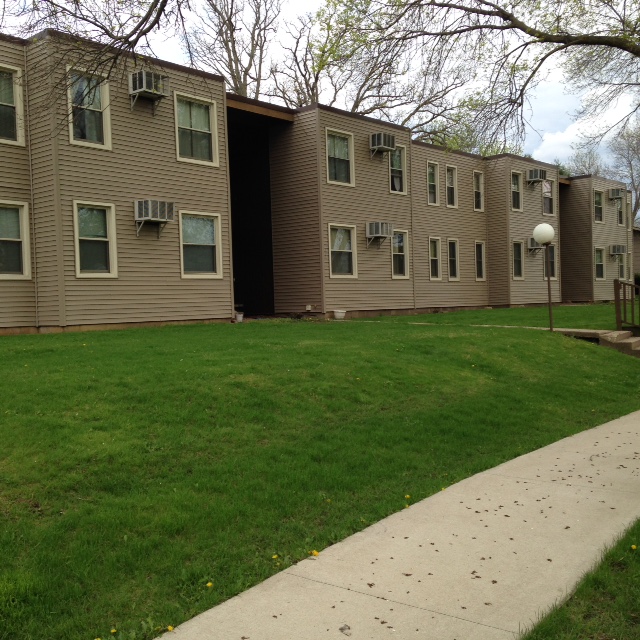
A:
{"points": [[27, 130]]}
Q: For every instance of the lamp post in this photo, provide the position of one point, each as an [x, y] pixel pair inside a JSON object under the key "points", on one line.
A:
{"points": [[544, 234]]}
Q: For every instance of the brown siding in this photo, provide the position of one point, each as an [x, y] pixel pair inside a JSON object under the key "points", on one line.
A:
{"points": [[295, 211], [636, 252], [142, 164], [577, 242], [462, 224], [533, 287], [17, 297], [368, 201]]}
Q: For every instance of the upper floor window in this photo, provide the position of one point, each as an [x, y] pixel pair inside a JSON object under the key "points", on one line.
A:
{"points": [[95, 240], [516, 191], [547, 197], [432, 182], [200, 233], [452, 187], [11, 117], [342, 258], [15, 260], [340, 158], [89, 97], [598, 211], [397, 170], [478, 191], [195, 130]]}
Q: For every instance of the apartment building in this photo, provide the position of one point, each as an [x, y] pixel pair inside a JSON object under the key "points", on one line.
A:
{"points": [[154, 196]]}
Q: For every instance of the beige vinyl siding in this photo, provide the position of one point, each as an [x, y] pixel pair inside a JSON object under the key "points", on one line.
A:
{"points": [[18, 296], [462, 224], [498, 206], [533, 287], [142, 165], [295, 215], [576, 216], [607, 234], [369, 200], [636, 252]]}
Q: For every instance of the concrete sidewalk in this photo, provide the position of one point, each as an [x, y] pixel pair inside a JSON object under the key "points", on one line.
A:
{"points": [[482, 560]]}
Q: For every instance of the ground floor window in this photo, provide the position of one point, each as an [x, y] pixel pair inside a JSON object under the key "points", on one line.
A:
{"points": [[200, 233], [342, 257], [518, 267], [453, 260], [15, 261], [434, 258], [480, 261], [399, 254], [599, 263], [551, 250], [95, 239]]}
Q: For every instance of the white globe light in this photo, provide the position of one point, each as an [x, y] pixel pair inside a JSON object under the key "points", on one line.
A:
{"points": [[544, 233]]}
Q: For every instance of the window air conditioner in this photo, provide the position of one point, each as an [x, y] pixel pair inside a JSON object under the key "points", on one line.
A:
{"points": [[382, 142], [536, 175], [148, 84], [379, 229], [614, 194], [156, 211], [617, 249]]}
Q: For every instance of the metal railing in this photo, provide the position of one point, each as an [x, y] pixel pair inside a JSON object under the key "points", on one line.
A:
{"points": [[627, 297]]}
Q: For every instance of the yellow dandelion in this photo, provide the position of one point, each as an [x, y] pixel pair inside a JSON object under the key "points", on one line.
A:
{"points": [[274, 556], [407, 497], [406, 506], [633, 546], [169, 628], [209, 584], [315, 553], [114, 631]]}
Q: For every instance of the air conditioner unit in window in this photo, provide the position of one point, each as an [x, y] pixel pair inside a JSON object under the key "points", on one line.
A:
{"points": [[148, 84], [617, 249], [536, 175], [379, 231], [614, 194], [532, 245], [156, 211], [382, 142]]}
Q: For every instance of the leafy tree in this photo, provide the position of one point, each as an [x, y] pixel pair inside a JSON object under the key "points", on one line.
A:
{"points": [[625, 152]]}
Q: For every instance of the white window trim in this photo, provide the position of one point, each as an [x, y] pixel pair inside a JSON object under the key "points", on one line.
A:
{"points": [[406, 255], [352, 164], [593, 212], [457, 278], [519, 173], [439, 277], [604, 264], [437, 175], [513, 260], [553, 200], [213, 120], [18, 96], [473, 187], [544, 263], [354, 251], [455, 186], [106, 111], [202, 276], [405, 189], [484, 261], [623, 209], [111, 239], [23, 209]]}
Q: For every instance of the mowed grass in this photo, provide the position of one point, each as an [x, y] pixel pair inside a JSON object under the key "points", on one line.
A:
{"points": [[606, 604], [592, 316], [138, 466]]}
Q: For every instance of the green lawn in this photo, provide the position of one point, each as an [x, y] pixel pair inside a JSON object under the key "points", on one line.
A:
{"points": [[138, 466], [594, 316], [606, 604]]}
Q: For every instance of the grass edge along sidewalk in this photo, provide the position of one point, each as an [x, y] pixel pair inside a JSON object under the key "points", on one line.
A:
{"points": [[139, 467]]}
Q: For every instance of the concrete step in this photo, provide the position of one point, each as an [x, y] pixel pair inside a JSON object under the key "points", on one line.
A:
{"points": [[630, 346], [615, 336]]}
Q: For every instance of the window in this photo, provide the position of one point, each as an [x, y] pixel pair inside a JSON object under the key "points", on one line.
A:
{"points": [[453, 260], [620, 210], [95, 239], [516, 191], [434, 259], [397, 170], [478, 191], [547, 197], [399, 254], [340, 158], [343, 262], [452, 187], [89, 97], [200, 241], [480, 261], [599, 262], [11, 116], [196, 130], [518, 266], [432, 183], [598, 215], [551, 248], [15, 256], [622, 271]]}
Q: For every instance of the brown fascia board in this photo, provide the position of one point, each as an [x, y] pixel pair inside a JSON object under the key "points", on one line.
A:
{"points": [[260, 103], [515, 157], [439, 147], [597, 177], [164, 64], [350, 114], [5, 37]]}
